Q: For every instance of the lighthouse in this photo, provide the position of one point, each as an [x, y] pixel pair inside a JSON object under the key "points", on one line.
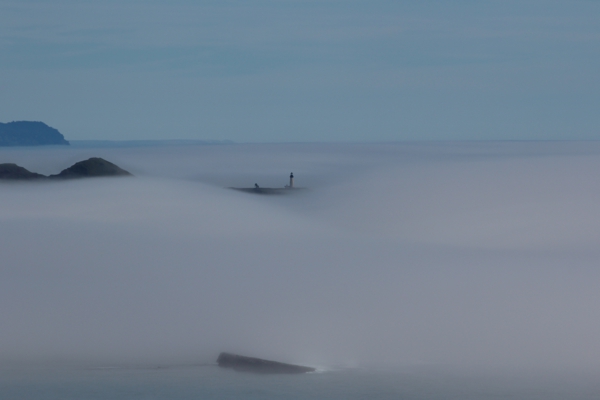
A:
{"points": [[291, 180]]}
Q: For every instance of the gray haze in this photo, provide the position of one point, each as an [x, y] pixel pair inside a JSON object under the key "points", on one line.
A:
{"points": [[455, 253]]}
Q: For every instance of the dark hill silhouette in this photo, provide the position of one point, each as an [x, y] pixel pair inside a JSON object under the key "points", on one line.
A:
{"points": [[93, 167], [89, 168], [29, 133], [14, 172]]}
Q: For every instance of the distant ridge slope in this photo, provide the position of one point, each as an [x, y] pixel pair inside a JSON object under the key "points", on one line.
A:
{"points": [[29, 133], [15, 172]]}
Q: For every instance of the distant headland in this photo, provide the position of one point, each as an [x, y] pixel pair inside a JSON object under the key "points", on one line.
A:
{"points": [[90, 168], [29, 133]]}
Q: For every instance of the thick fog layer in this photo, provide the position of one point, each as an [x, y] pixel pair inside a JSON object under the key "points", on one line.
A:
{"points": [[458, 253]]}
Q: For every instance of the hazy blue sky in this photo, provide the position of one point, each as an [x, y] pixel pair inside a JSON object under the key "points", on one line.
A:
{"points": [[303, 70]]}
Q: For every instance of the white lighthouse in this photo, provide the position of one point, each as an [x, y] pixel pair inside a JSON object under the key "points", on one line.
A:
{"points": [[291, 180]]}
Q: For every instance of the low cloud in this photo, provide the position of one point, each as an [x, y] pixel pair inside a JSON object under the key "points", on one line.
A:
{"points": [[401, 254]]}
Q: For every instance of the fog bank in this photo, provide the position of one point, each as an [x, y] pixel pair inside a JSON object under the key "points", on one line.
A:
{"points": [[456, 253]]}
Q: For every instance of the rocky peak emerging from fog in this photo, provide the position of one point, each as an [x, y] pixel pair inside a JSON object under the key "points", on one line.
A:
{"points": [[90, 168]]}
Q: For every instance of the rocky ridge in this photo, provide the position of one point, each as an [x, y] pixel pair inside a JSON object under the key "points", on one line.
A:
{"points": [[90, 168]]}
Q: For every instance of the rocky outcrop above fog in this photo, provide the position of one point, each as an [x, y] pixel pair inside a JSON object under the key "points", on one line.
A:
{"points": [[90, 168], [15, 172]]}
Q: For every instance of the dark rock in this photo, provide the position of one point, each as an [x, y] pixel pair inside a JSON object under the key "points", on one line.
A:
{"points": [[14, 172], [267, 191], [93, 167], [258, 365], [29, 133]]}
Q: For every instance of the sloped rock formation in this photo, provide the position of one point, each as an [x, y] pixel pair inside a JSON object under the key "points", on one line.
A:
{"points": [[15, 172], [93, 167]]}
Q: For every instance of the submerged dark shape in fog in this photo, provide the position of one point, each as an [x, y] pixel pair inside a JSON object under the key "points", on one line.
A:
{"points": [[457, 253], [258, 365]]}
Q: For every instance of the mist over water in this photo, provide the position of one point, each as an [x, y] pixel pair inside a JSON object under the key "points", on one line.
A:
{"points": [[399, 254]]}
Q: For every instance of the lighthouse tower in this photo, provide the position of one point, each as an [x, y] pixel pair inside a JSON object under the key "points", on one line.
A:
{"points": [[291, 180]]}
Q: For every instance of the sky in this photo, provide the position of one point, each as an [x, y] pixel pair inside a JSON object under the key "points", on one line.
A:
{"points": [[303, 71], [479, 254]]}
